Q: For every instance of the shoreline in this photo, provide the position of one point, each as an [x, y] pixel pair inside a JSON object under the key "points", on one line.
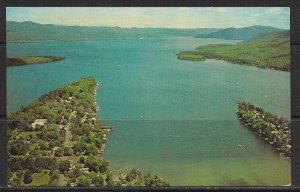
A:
{"points": [[32, 60], [274, 130], [202, 57], [270, 51], [105, 129], [61, 129]]}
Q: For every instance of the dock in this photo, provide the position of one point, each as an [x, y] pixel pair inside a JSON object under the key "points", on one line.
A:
{"points": [[107, 128]]}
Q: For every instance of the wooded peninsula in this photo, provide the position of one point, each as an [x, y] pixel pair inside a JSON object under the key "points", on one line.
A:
{"points": [[275, 130], [29, 60], [57, 140], [268, 51]]}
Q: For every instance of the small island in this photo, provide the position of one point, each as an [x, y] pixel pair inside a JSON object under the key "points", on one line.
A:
{"points": [[275, 130], [29, 60], [57, 140], [270, 51]]}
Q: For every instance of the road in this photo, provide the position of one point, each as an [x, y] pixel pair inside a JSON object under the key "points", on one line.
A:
{"points": [[67, 143]]}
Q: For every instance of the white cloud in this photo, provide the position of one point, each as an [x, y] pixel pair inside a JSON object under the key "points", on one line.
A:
{"points": [[184, 8], [221, 9], [274, 10], [172, 17], [257, 15]]}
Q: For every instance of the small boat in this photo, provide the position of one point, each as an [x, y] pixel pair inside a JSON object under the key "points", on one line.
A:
{"points": [[241, 146]]}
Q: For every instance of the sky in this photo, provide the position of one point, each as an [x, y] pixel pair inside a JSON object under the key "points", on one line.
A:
{"points": [[167, 17]]}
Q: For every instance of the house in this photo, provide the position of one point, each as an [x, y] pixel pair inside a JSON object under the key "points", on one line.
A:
{"points": [[85, 170], [61, 126], [40, 122]]}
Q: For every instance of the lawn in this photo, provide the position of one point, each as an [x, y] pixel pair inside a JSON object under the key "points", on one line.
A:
{"points": [[26, 134], [39, 179]]}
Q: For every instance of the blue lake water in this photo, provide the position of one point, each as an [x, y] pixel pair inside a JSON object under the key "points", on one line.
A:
{"points": [[171, 117]]}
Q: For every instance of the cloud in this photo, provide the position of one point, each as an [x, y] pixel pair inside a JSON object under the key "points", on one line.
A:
{"points": [[274, 10], [171, 17], [221, 9], [257, 15], [184, 8]]}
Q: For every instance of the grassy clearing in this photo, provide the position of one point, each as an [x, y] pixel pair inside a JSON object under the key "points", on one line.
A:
{"points": [[26, 134], [40, 179], [191, 56]]}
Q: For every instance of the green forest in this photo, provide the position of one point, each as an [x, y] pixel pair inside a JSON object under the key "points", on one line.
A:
{"points": [[268, 51], [29, 60], [58, 141]]}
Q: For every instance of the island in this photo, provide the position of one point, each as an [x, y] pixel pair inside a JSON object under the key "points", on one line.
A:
{"points": [[270, 51], [275, 130], [57, 140], [29, 60]]}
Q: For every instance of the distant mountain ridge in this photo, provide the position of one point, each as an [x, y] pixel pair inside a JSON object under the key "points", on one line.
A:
{"points": [[245, 33], [31, 31]]}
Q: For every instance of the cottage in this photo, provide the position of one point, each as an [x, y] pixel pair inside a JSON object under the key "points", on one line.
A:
{"points": [[84, 169], [40, 122], [61, 127]]}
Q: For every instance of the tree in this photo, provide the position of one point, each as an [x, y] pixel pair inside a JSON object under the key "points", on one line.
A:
{"points": [[83, 181], [109, 180], [92, 163], [148, 181], [15, 164], [58, 152], [27, 177], [128, 177], [79, 147], [135, 173], [75, 173], [29, 162], [103, 166], [157, 181], [68, 184], [64, 166], [82, 160], [44, 145], [96, 179], [16, 182], [122, 179], [67, 151], [19, 173], [91, 150], [18, 147]]}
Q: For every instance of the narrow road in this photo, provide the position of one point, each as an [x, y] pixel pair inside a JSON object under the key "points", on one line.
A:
{"points": [[67, 143]]}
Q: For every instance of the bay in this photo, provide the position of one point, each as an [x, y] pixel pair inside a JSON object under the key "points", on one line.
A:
{"points": [[171, 117]]}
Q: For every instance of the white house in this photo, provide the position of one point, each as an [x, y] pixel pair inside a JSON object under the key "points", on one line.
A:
{"points": [[40, 122]]}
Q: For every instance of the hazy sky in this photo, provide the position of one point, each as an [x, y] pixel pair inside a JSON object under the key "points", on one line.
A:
{"points": [[170, 17]]}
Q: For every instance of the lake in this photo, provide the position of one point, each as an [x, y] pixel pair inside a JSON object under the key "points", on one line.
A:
{"points": [[172, 117]]}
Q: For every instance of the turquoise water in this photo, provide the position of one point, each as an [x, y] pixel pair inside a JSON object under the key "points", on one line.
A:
{"points": [[172, 117]]}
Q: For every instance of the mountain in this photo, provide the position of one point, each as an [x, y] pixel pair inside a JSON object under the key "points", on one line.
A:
{"points": [[31, 31], [246, 33], [271, 51]]}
